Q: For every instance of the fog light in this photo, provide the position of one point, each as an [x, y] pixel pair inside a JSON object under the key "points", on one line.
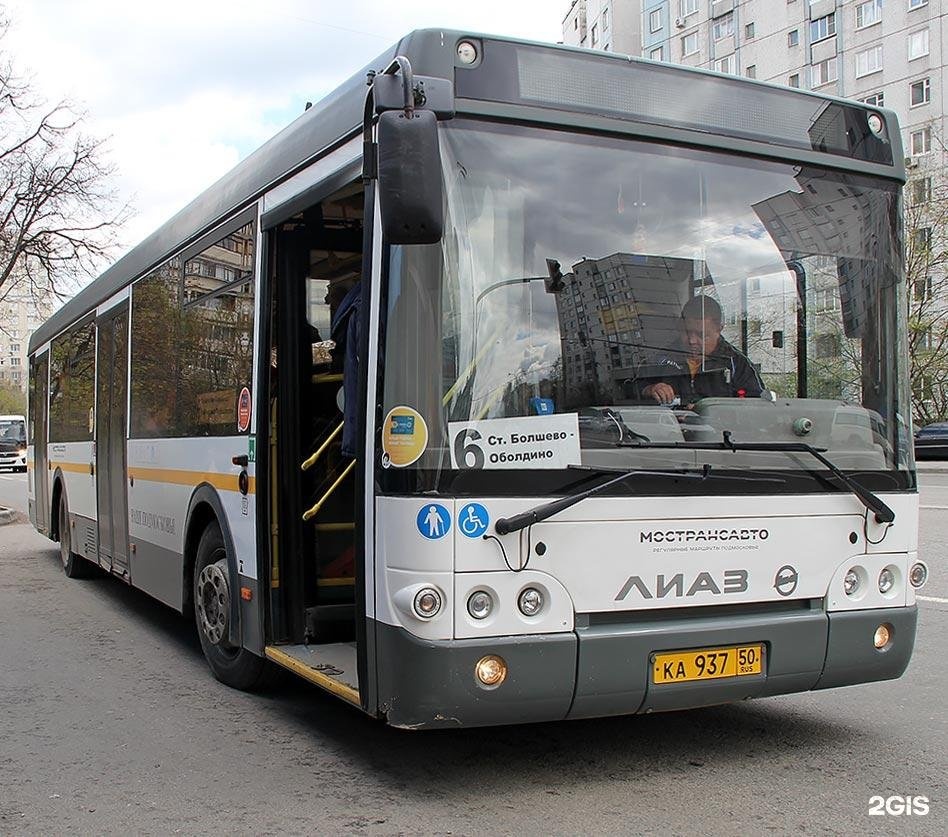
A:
{"points": [[875, 123], [491, 670], [851, 582], [882, 636], [480, 604], [467, 52], [886, 580], [530, 602], [918, 574], [427, 603]]}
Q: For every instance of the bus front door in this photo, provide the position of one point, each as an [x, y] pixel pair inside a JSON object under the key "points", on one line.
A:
{"points": [[39, 413], [110, 427]]}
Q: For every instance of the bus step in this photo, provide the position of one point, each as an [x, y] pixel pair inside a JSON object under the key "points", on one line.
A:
{"points": [[331, 667]]}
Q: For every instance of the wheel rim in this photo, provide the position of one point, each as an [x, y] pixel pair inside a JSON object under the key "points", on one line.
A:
{"points": [[213, 602], [65, 547]]}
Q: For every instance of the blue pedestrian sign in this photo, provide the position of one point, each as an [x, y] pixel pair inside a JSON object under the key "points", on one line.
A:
{"points": [[433, 521], [473, 520]]}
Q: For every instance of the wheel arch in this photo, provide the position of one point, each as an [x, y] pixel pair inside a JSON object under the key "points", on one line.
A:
{"points": [[206, 508], [59, 491]]}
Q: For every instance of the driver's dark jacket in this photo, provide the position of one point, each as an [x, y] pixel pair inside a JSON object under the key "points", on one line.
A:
{"points": [[725, 373]]}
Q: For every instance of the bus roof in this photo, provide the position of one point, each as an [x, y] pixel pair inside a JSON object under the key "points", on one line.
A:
{"points": [[325, 124]]}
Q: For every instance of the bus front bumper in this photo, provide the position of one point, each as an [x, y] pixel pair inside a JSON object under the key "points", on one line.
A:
{"points": [[605, 669]]}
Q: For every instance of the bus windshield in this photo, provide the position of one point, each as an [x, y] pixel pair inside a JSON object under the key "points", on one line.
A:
{"points": [[13, 430], [595, 298]]}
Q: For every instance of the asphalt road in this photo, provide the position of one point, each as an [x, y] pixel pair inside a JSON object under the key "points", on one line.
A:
{"points": [[111, 723]]}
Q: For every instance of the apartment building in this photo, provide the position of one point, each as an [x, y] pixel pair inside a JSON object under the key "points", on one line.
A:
{"points": [[884, 52], [19, 318], [609, 25]]}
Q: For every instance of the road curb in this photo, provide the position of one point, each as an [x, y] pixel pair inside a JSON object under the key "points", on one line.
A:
{"points": [[7, 516]]}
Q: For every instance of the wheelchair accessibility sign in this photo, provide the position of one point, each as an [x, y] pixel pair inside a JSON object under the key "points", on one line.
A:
{"points": [[433, 521], [473, 520]]}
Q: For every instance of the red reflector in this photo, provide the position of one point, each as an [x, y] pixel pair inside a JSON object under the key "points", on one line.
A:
{"points": [[246, 594], [741, 393]]}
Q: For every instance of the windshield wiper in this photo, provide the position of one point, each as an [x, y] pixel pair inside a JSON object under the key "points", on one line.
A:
{"points": [[516, 522], [882, 512]]}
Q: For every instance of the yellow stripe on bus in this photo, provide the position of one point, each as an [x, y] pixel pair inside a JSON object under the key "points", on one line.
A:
{"points": [[317, 677], [72, 467], [225, 482]]}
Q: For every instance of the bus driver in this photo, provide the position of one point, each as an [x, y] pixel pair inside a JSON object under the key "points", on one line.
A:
{"points": [[704, 364]]}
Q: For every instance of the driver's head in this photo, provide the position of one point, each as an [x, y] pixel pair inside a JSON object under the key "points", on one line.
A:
{"points": [[701, 318]]}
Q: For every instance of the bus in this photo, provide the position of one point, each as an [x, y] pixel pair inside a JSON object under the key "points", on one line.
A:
{"points": [[13, 442], [510, 382]]}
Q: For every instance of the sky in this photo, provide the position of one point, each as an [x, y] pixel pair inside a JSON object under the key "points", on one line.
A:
{"points": [[184, 89]]}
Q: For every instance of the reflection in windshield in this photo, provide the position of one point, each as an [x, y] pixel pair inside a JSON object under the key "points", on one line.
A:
{"points": [[798, 339]]}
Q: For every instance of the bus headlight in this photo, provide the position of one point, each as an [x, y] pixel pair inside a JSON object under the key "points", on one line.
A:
{"points": [[530, 601], [882, 636], [427, 603], [851, 582], [886, 580], [918, 574], [480, 604]]}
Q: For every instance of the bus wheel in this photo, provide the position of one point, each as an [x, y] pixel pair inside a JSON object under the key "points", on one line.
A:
{"points": [[75, 566], [234, 666]]}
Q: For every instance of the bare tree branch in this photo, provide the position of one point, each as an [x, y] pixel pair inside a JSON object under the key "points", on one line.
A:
{"points": [[59, 213]]}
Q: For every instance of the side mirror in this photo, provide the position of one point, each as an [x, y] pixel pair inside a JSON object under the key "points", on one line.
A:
{"points": [[409, 177]]}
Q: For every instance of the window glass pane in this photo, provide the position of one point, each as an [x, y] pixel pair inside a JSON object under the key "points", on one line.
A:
{"points": [[920, 91], [868, 13], [869, 61], [216, 341], [723, 26], [918, 44], [156, 324], [822, 27], [481, 328], [72, 385]]}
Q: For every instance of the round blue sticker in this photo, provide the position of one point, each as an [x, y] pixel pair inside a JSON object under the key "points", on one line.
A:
{"points": [[473, 520], [433, 521]]}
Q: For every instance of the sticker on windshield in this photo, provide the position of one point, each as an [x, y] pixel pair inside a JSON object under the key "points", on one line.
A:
{"points": [[550, 441], [404, 437]]}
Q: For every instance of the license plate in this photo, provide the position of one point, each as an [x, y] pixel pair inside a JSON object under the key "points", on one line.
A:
{"points": [[708, 664]]}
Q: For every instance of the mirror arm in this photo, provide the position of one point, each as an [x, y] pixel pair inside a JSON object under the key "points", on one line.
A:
{"points": [[399, 63]]}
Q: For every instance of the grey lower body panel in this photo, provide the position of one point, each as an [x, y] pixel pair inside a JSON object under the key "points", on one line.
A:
{"points": [[251, 621], [85, 537], [432, 684], [615, 661], [852, 658], [606, 669], [157, 571]]}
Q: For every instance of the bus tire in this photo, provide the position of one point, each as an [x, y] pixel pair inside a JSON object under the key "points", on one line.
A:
{"points": [[74, 566], [235, 667]]}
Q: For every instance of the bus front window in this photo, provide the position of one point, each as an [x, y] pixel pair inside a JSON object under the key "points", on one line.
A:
{"points": [[627, 294]]}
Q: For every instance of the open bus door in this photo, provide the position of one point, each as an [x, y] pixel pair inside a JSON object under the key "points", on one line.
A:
{"points": [[315, 265]]}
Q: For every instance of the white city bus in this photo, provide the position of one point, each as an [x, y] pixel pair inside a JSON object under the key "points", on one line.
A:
{"points": [[407, 403], [13, 442]]}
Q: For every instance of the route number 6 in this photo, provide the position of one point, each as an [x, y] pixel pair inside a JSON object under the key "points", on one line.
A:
{"points": [[466, 453]]}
